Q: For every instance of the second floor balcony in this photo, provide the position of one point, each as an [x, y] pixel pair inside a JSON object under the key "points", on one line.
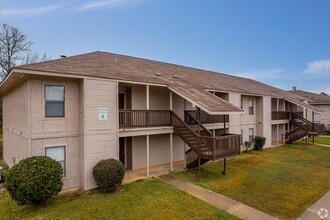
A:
{"points": [[283, 115]]}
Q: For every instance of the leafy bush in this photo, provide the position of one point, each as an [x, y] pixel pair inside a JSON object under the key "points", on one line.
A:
{"points": [[109, 174], [259, 142], [327, 131], [34, 180], [247, 144], [4, 170]]}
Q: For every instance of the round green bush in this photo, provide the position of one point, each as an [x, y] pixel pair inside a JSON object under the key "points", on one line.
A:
{"points": [[109, 174], [34, 180], [259, 142]]}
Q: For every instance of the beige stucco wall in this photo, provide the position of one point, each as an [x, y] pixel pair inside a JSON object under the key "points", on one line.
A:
{"points": [[16, 124], [281, 106], [325, 116], [81, 140], [274, 134], [260, 113], [30, 132], [266, 121], [178, 105], [278, 131], [100, 136], [72, 175], [159, 149], [235, 120], [246, 131], [159, 98], [139, 100], [42, 126], [51, 132], [246, 117]]}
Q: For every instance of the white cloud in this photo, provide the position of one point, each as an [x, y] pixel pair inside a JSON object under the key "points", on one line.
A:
{"points": [[86, 6], [30, 12], [99, 4], [319, 67], [259, 74]]}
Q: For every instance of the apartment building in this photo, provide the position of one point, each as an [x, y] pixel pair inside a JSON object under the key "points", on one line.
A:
{"points": [[322, 102], [81, 109]]}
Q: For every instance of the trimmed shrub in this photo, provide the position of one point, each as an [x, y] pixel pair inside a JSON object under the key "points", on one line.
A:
{"points": [[34, 180], [327, 131], [247, 144], [259, 142], [109, 174], [4, 170]]}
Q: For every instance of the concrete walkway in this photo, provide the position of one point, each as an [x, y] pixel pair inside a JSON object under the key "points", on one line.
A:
{"points": [[322, 145], [312, 212], [217, 200]]}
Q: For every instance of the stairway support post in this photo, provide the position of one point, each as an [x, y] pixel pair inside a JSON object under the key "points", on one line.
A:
{"points": [[199, 141], [224, 172], [224, 124], [148, 156], [313, 125]]}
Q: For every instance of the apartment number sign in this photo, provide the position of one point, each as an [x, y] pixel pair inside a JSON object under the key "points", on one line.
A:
{"points": [[103, 114]]}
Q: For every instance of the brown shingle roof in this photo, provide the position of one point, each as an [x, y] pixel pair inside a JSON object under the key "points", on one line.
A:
{"points": [[313, 98], [191, 82]]}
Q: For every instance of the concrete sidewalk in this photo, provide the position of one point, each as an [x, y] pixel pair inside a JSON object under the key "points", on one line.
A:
{"points": [[321, 205], [217, 200]]}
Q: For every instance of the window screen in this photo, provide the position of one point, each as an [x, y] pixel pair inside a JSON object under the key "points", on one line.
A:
{"points": [[54, 101], [251, 134], [250, 106], [241, 136], [58, 154]]}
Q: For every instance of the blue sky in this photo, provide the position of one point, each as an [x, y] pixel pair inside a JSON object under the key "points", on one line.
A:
{"points": [[278, 42]]}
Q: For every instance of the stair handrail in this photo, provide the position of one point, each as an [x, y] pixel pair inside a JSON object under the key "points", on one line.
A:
{"points": [[301, 118], [184, 123], [195, 120]]}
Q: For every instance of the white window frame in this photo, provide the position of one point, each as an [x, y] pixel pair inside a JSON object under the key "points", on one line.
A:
{"points": [[251, 136], [65, 159], [45, 101], [251, 107], [242, 135]]}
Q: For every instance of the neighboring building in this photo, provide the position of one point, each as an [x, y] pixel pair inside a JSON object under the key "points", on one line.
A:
{"points": [[321, 102], [85, 108]]}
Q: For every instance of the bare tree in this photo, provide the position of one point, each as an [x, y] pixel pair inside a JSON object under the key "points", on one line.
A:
{"points": [[15, 49]]}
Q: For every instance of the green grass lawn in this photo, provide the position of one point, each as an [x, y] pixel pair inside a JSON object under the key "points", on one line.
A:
{"points": [[149, 199], [320, 140], [282, 181]]}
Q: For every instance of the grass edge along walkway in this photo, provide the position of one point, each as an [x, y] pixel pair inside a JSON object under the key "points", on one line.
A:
{"points": [[312, 212], [282, 181], [219, 201], [146, 199]]}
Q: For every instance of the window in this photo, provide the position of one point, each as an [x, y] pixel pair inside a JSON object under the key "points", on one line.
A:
{"points": [[58, 154], [241, 103], [251, 134], [54, 101], [241, 136], [250, 106]]}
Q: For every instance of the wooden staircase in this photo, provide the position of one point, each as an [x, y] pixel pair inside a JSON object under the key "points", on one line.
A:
{"points": [[301, 128], [208, 147]]}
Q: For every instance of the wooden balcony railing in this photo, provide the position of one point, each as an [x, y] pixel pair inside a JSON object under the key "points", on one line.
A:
{"points": [[144, 118], [205, 118], [209, 148], [222, 146], [283, 115], [319, 128]]}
